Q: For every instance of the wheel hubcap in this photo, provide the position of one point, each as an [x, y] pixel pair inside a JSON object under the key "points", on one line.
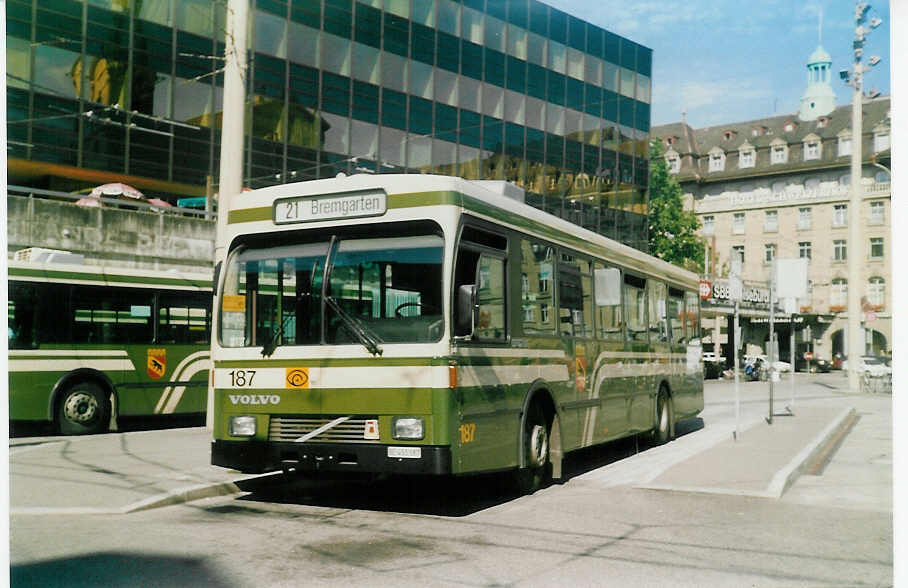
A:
{"points": [[80, 407], [539, 446]]}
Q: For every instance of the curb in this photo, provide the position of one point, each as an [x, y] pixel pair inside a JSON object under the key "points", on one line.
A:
{"points": [[169, 498]]}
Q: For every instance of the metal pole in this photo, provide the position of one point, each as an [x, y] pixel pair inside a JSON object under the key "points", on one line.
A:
{"points": [[855, 249], [772, 335], [737, 385], [232, 130], [792, 347]]}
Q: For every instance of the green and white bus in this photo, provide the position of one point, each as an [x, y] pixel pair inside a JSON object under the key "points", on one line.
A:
{"points": [[434, 325], [88, 342]]}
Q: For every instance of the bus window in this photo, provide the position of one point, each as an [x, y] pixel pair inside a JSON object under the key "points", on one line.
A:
{"points": [[635, 307], [536, 295], [658, 324], [575, 296], [692, 315], [490, 298], [610, 319], [676, 315], [183, 318], [102, 318]]}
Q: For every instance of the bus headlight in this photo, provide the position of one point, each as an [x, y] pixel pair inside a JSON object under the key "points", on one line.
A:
{"points": [[242, 426], [411, 428]]}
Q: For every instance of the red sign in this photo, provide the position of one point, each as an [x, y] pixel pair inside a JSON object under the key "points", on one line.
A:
{"points": [[706, 289], [808, 355]]}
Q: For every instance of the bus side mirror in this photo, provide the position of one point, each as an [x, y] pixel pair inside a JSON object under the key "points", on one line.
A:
{"points": [[466, 310]]}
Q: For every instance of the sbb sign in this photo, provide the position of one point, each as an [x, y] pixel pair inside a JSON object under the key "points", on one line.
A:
{"points": [[722, 291]]}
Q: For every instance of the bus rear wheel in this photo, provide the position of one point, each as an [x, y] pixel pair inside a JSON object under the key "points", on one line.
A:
{"points": [[83, 409], [536, 445], [662, 432]]}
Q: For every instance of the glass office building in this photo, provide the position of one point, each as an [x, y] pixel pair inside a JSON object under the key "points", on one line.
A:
{"points": [[485, 89]]}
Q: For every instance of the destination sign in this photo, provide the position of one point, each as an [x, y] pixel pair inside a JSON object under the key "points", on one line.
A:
{"points": [[305, 209]]}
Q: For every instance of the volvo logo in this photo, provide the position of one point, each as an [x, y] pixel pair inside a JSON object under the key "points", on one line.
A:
{"points": [[254, 398]]}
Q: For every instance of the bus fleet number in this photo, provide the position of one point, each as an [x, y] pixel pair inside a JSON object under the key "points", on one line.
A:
{"points": [[241, 378], [467, 433]]}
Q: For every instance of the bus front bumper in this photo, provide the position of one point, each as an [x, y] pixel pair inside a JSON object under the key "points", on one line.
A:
{"points": [[261, 456]]}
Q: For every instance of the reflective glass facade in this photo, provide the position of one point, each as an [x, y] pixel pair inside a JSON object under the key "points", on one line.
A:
{"points": [[485, 89]]}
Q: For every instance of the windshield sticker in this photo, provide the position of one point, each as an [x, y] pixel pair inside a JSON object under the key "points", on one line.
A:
{"points": [[233, 303]]}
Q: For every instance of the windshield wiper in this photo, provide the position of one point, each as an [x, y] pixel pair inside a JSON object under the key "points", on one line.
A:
{"points": [[273, 343], [369, 340]]}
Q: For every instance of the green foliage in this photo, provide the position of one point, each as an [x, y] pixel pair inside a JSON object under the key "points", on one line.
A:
{"points": [[672, 230]]}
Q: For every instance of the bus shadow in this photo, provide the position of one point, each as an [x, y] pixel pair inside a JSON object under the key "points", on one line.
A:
{"points": [[18, 429], [445, 496]]}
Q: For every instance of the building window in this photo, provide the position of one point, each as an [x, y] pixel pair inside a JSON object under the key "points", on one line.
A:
{"points": [[838, 296], [779, 154], [709, 225], [771, 221], [804, 250], [844, 145], [674, 164], [789, 127], [839, 250], [716, 162], [737, 252], [812, 150], [769, 252], [747, 159], [876, 292], [881, 141], [882, 177], [778, 187], [845, 180], [804, 218], [876, 248], [877, 213], [737, 225], [840, 215]]}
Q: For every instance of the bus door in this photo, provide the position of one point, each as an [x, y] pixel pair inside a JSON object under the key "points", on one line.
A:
{"points": [[575, 325], [484, 430], [638, 353]]}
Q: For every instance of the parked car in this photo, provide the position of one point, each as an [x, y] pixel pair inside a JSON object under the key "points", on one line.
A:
{"points": [[873, 365], [778, 365], [816, 365]]}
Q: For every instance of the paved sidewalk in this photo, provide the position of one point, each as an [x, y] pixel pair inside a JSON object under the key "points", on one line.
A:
{"points": [[764, 460], [115, 472]]}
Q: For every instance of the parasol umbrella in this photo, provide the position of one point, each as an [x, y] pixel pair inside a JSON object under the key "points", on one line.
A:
{"points": [[158, 202], [89, 202], [120, 189]]}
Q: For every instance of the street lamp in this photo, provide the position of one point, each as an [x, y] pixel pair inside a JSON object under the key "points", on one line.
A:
{"points": [[855, 341]]}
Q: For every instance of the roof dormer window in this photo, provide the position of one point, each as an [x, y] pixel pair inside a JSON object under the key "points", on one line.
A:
{"points": [[822, 122], [669, 141], [790, 126], [813, 147], [716, 160], [729, 135], [845, 143], [779, 152], [757, 131], [881, 140], [747, 156]]}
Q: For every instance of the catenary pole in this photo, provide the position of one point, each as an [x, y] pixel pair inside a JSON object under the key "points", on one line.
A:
{"points": [[232, 129]]}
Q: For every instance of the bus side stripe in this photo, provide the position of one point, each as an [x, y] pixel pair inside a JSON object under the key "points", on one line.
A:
{"points": [[66, 365]]}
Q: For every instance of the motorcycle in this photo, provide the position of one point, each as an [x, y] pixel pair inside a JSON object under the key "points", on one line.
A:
{"points": [[753, 369]]}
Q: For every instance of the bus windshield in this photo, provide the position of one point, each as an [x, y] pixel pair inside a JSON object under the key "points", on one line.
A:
{"points": [[379, 290]]}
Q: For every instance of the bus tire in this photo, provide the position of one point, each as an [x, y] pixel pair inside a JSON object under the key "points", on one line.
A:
{"points": [[83, 409], [537, 445], [664, 429]]}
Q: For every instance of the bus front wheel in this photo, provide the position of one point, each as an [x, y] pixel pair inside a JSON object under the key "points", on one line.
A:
{"points": [[83, 409], [536, 450]]}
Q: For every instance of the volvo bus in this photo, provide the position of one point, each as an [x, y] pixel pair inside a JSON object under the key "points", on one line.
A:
{"points": [[91, 343], [420, 324]]}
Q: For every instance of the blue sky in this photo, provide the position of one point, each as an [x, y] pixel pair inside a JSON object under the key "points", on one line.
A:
{"points": [[733, 61]]}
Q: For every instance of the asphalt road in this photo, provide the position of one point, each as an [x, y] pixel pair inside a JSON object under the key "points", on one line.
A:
{"points": [[598, 529]]}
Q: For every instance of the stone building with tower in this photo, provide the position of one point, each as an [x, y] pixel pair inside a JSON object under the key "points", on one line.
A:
{"points": [[778, 187]]}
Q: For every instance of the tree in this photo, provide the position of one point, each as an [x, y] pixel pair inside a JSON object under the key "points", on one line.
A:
{"points": [[672, 230]]}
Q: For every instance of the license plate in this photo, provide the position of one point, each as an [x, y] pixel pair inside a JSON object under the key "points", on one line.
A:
{"points": [[405, 452]]}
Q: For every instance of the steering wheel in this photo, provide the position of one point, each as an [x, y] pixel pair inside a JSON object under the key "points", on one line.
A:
{"points": [[407, 304]]}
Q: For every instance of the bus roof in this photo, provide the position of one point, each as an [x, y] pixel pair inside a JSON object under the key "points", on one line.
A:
{"points": [[496, 201], [108, 275]]}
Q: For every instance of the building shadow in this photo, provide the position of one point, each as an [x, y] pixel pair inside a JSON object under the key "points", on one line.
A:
{"points": [[117, 569]]}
